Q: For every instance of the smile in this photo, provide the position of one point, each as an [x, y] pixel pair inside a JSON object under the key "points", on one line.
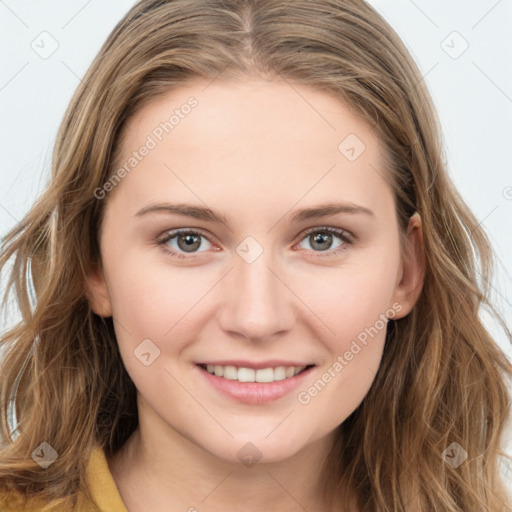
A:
{"points": [[254, 386]]}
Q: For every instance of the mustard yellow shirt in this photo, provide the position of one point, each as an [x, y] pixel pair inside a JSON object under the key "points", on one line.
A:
{"points": [[102, 484]]}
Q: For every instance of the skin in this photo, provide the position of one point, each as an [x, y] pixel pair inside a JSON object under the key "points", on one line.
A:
{"points": [[277, 147]]}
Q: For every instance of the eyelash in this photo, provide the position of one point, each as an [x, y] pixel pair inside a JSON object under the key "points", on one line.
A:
{"points": [[342, 234]]}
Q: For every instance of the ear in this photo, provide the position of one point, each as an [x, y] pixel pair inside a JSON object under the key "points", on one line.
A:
{"points": [[97, 292], [412, 269]]}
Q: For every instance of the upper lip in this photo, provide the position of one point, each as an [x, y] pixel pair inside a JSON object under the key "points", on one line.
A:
{"points": [[255, 365]]}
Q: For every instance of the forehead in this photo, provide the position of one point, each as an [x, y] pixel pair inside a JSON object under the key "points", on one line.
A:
{"points": [[263, 140], [255, 110]]}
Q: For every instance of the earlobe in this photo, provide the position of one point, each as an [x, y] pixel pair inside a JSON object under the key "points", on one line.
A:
{"points": [[412, 277], [97, 293]]}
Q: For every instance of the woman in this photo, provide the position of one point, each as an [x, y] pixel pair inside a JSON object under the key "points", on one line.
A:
{"points": [[256, 284]]}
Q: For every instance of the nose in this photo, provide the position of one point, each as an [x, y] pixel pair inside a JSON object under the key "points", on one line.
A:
{"points": [[257, 302]]}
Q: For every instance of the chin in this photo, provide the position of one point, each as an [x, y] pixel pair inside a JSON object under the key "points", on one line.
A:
{"points": [[249, 450]]}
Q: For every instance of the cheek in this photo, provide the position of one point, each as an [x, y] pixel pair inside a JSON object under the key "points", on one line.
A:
{"points": [[158, 303], [150, 297], [357, 315], [351, 298], [352, 305], [152, 326]]}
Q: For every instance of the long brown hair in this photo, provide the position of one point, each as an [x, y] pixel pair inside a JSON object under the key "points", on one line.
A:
{"points": [[442, 375]]}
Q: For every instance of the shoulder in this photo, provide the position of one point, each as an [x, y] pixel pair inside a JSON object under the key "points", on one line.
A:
{"points": [[101, 484], [13, 501]]}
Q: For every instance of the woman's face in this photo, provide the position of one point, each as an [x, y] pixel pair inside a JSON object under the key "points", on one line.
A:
{"points": [[278, 282]]}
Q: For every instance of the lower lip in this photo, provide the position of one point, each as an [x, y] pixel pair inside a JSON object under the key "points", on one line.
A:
{"points": [[255, 393]]}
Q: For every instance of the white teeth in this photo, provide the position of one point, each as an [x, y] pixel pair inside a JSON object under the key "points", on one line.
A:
{"points": [[265, 375], [290, 371], [280, 373], [230, 372], [251, 375], [246, 375]]}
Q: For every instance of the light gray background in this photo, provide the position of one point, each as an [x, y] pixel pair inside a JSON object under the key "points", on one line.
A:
{"points": [[471, 88]]}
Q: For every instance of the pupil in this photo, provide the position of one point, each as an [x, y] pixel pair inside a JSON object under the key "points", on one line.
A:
{"points": [[322, 238], [190, 240]]}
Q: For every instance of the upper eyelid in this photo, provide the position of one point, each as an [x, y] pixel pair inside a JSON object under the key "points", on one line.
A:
{"points": [[338, 231]]}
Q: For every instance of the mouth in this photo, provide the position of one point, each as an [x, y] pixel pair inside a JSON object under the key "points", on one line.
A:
{"points": [[260, 375], [254, 386]]}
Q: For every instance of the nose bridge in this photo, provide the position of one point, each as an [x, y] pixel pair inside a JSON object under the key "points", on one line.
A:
{"points": [[256, 301]]}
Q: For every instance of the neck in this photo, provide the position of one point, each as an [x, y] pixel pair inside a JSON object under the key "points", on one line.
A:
{"points": [[160, 472]]}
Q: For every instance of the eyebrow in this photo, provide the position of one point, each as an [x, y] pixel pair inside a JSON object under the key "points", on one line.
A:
{"points": [[207, 214]]}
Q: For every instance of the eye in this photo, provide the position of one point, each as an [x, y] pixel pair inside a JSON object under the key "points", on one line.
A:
{"points": [[187, 240], [323, 237]]}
